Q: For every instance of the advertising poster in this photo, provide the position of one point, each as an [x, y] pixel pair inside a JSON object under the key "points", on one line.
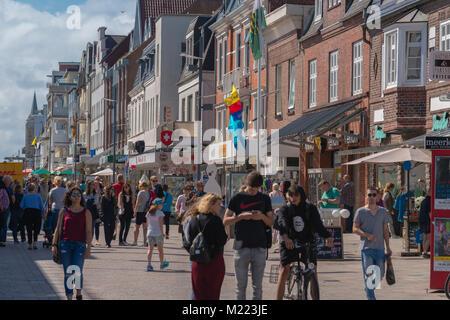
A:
{"points": [[442, 244], [442, 180]]}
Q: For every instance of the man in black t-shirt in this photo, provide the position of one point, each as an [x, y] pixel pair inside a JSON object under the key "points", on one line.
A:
{"points": [[251, 211]]}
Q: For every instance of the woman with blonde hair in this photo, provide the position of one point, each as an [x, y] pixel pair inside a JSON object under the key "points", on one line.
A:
{"points": [[207, 278]]}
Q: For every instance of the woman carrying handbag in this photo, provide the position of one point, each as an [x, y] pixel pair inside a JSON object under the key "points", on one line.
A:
{"points": [[72, 238]]}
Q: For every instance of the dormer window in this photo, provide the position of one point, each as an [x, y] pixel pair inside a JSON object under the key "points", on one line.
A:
{"points": [[190, 50], [318, 10]]}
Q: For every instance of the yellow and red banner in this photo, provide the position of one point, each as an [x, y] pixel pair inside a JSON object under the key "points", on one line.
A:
{"points": [[13, 169]]}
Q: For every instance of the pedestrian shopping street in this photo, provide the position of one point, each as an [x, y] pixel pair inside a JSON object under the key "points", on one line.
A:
{"points": [[120, 273]]}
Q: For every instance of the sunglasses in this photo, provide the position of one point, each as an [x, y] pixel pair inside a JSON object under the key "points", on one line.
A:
{"points": [[372, 195], [76, 195]]}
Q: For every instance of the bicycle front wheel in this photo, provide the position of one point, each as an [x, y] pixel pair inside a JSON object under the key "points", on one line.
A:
{"points": [[312, 284]]}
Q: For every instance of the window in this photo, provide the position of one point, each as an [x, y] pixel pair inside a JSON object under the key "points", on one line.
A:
{"points": [[391, 58], [183, 112], [357, 67], [333, 76], [318, 9], [140, 117], [278, 75], [224, 57], [194, 113], [219, 62], [247, 52], [413, 55], [445, 36], [312, 82], [156, 111], [157, 59], [189, 109], [333, 3], [190, 50], [152, 113], [238, 50], [291, 84], [247, 119]]}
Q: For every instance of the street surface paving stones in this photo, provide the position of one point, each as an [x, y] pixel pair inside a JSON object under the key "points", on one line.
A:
{"points": [[119, 273]]}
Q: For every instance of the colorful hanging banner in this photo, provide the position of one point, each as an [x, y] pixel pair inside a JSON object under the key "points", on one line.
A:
{"points": [[235, 124]]}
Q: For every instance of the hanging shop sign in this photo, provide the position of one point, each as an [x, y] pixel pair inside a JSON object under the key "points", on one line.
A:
{"points": [[440, 124], [379, 134]]}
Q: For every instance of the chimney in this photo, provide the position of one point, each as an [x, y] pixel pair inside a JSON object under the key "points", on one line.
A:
{"points": [[101, 33]]}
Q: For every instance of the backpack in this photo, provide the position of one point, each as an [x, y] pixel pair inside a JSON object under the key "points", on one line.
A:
{"points": [[200, 251]]}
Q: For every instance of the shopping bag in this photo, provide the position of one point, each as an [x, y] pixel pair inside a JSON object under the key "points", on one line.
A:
{"points": [[390, 276]]}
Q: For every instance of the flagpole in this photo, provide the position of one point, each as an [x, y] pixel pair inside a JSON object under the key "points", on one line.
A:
{"points": [[258, 115]]}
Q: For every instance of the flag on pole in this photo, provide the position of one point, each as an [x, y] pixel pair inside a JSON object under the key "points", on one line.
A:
{"points": [[34, 141], [257, 25], [235, 124]]}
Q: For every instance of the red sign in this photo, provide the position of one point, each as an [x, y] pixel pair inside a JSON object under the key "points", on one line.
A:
{"points": [[166, 137], [440, 218]]}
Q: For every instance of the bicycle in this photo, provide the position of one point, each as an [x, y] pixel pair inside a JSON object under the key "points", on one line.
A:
{"points": [[303, 277], [447, 287]]}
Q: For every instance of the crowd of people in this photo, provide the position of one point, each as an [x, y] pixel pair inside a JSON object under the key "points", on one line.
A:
{"points": [[73, 212]]}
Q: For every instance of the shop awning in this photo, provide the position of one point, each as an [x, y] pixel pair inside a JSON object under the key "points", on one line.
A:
{"points": [[420, 140], [318, 123]]}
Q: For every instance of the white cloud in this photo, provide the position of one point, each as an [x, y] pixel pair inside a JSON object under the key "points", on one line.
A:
{"points": [[31, 45]]}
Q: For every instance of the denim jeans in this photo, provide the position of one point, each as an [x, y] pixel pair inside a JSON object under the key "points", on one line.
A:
{"points": [[372, 257], [256, 258], [54, 219], [72, 253], [4, 226]]}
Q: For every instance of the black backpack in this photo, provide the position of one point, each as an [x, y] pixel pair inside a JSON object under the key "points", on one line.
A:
{"points": [[200, 250]]}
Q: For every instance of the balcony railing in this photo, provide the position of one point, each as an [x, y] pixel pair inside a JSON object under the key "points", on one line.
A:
{"points": [[231, 78]]}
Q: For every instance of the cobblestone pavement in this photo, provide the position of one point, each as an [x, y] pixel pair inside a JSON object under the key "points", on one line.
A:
{"points": [[120, 273]]}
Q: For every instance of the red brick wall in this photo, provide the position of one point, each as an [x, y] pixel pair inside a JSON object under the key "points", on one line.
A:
{"points": [[406, 107], [282, 52], [438, 12], [319, 47]]}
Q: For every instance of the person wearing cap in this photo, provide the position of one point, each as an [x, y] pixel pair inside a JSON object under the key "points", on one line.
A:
{"points": [[155, 220]]}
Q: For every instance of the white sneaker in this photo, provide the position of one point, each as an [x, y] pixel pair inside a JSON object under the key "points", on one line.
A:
{"points": [[126, 243], [134, 244]]}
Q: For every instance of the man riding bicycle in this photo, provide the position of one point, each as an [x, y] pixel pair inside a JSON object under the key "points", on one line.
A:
{"points": [[298, 221]]}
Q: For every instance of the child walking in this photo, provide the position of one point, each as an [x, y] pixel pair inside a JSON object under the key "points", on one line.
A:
{"points": [[155, 220]]}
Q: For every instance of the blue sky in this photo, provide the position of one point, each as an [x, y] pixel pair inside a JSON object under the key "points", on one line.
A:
{"points": [[52, 6], [34, 37]]}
